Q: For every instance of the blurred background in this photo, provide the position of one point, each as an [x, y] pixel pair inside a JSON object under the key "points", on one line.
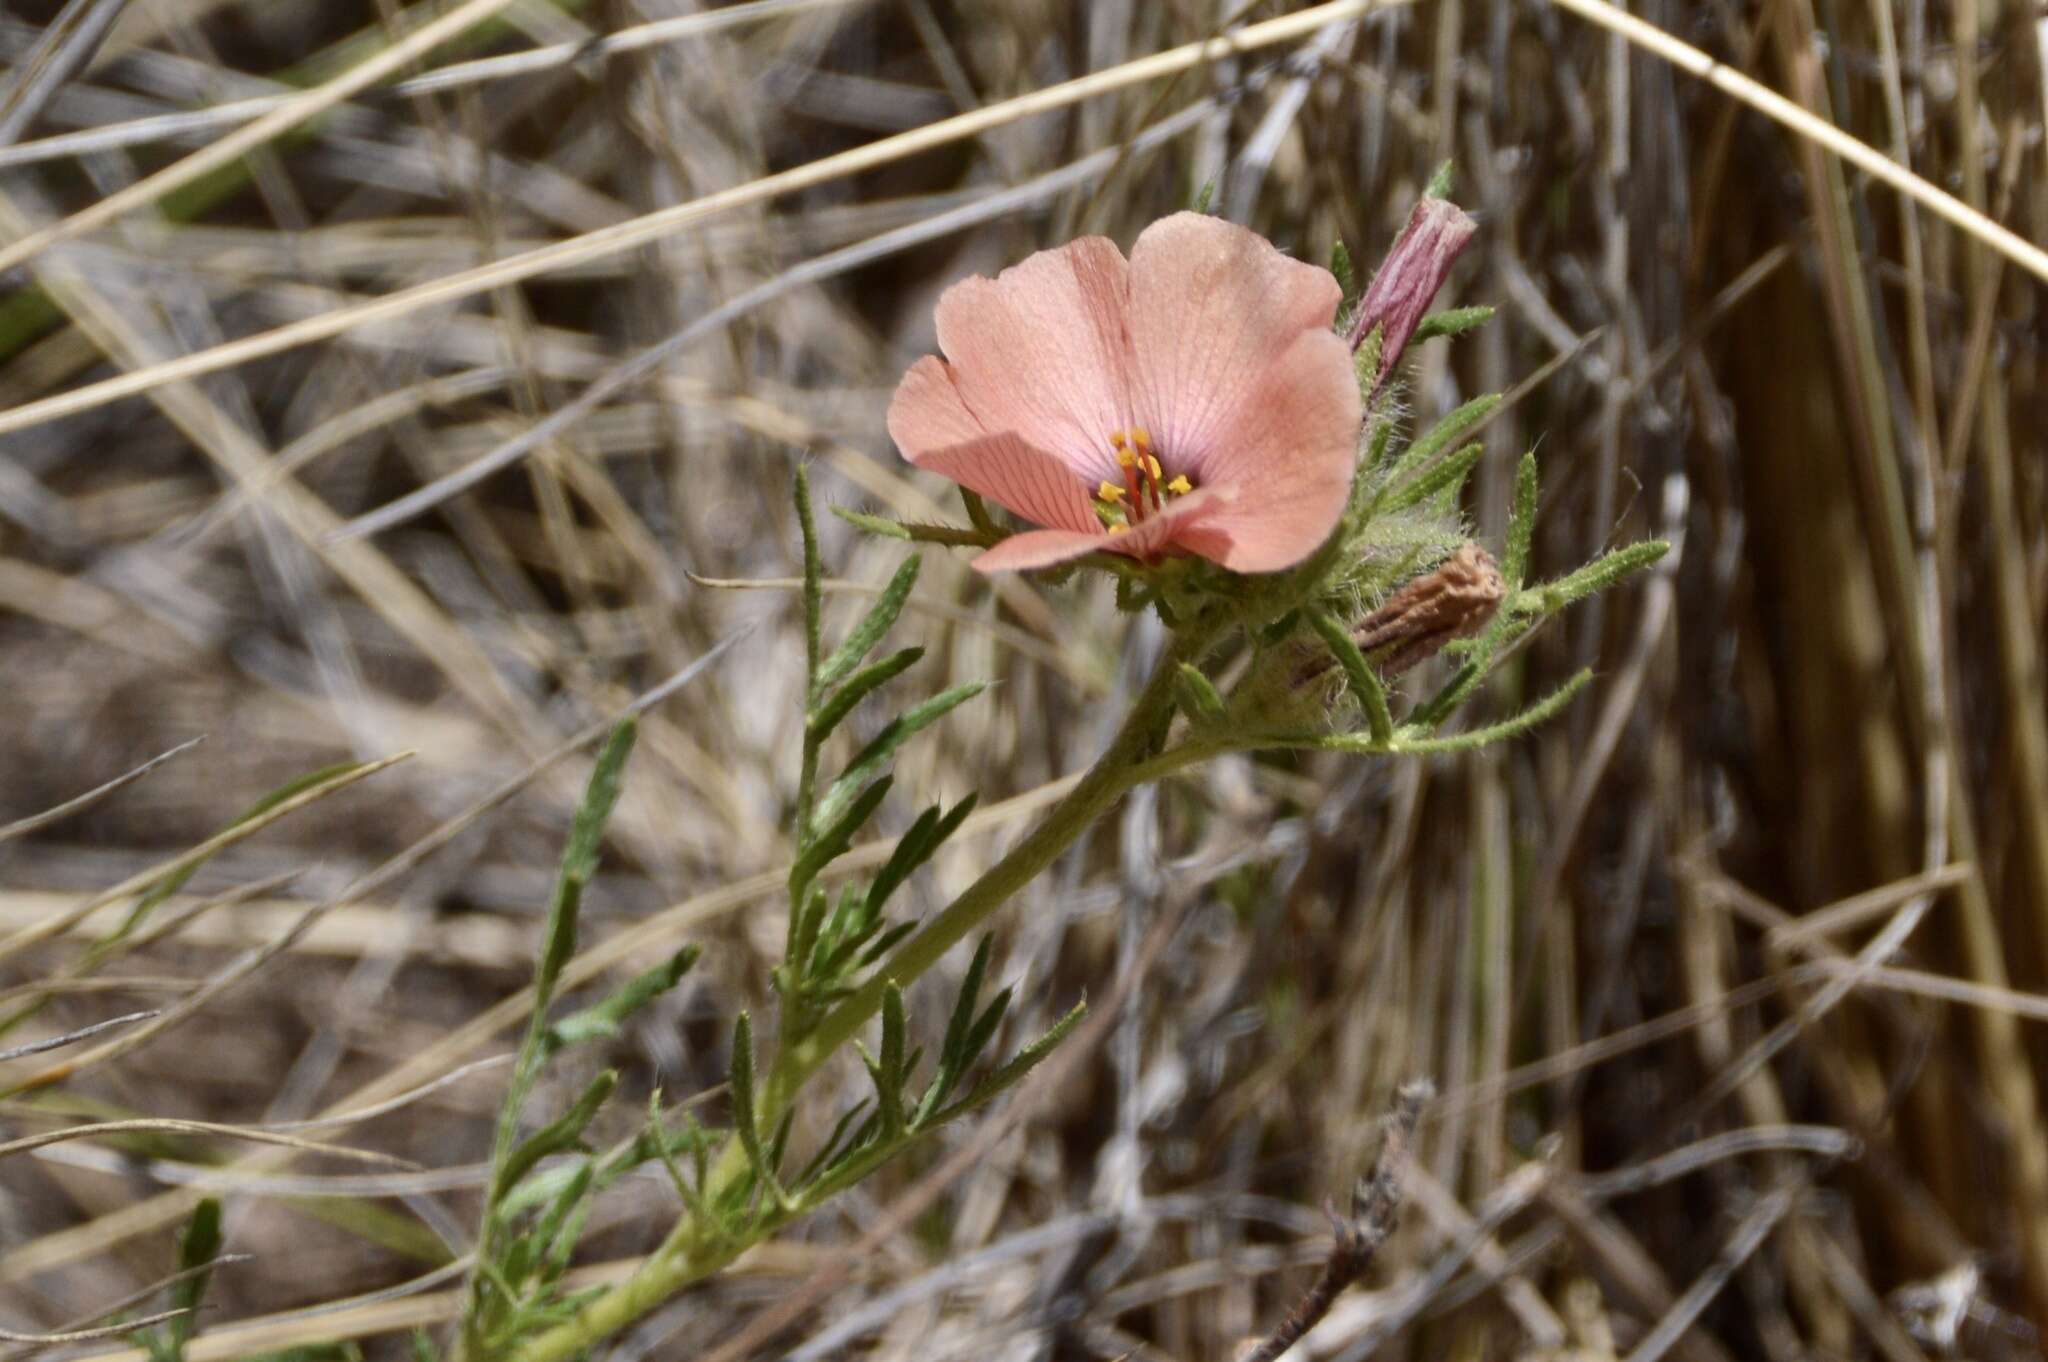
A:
{"points": [[1671, 1119]]}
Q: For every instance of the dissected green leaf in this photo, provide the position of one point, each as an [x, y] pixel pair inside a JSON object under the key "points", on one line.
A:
{"points": [[840, 703], [873, 524], [1013, 1072], [1514, 565], [1444, 476], [557, 1135], [1507, 728], [832, 842], [580, 856], [1444, 435], [1597, 575], [917, 846], [1454, 321], [868, 763], [743, 1099], [814, 572], [603, 1020], [877, 622]]}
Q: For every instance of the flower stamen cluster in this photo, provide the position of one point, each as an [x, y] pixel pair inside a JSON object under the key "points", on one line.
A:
{"points": [[1145, 487]]}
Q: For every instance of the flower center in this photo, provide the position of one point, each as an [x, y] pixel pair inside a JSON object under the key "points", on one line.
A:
{"points": [[1145, 486]]}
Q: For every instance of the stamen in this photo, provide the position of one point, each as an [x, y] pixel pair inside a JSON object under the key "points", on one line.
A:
{"points": [[1180, 486], [1141, 437], [1152, 467], [1109, 491], [1118, 529]]}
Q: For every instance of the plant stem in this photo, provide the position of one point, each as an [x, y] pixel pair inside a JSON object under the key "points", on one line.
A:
{"points": [[690, 1253]]}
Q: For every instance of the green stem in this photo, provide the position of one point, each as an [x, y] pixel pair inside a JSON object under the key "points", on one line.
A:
{"points": [[690, 1253]]}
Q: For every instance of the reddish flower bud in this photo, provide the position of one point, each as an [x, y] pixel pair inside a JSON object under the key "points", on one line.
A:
{"points": [[1415, 269]]}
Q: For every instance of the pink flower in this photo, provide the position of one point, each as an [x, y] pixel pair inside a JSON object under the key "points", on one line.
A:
{"points": [[1190, 400]]}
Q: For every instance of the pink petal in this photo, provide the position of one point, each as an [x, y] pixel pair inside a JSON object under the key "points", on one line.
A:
{"points": [[1037, 549], [1288, 454], [1043, 350], [1214, 307], [1182, 519], [935, 430]]}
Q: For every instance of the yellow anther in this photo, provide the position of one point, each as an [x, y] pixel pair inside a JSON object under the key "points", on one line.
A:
{"points": [[1141, 437], [1180, 486], [1118, 529], [1152, 467], [1125, 459], [1109, 491]]}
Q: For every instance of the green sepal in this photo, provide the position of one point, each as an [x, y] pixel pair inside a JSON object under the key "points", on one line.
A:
{"points": [[1363, 680]]}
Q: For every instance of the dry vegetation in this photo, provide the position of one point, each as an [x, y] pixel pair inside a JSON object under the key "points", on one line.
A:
{"points": [[1731, 980]]}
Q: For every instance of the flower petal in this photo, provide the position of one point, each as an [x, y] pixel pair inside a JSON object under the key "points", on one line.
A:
{"points": [[1288, 455], [1180, 525], [1043, 350], [1037, 549], [935, 430], [1214, 307]]}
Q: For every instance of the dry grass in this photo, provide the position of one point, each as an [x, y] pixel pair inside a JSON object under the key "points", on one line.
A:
{"points": [[1730, 979]]}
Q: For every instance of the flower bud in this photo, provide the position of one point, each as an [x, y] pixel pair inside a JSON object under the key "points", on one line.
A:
{"points": [[1415, 269]]}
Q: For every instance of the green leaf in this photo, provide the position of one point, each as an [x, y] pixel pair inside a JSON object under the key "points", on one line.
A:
{"points": [[1197, 695], [559, 1215], [837, 1141], [1521, 524], [580, 856], [1340, 266], [826, 717], [882, 944], [871, 758], [1453, 321], [198, 1245], [743, 1120], [1597, 575], [1444, 477], [831, 843], [814, 572], [1454, 693], [1206, 193], [956, 1052], [917, 846], [1382, 438], [873, 625], [873, 524], [1364, 682], [1441, 436], [557, 1135], [890, 1073], [603, 1020], [1535, 714], [1010, 1074]]}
